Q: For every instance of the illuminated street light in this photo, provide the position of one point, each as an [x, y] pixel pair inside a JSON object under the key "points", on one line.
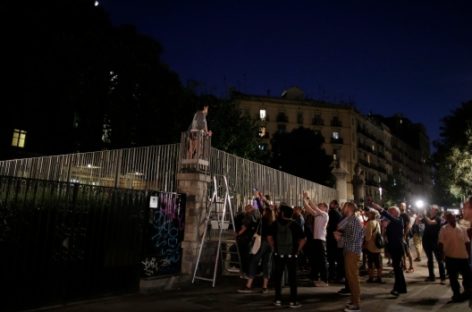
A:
{"points": [[419, 204], [96, 3]]}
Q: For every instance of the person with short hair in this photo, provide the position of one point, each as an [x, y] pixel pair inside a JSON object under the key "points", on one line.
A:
{"points": [[353, 236], [454, 244], [406, 238], [432, 224], [395, 247], [286, 239], [319, 262], [197, 130]]}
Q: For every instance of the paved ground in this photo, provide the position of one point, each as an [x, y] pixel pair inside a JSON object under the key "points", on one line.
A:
{"points": [[422, 296]]}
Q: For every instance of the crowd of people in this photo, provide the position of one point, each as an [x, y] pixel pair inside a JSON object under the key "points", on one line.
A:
{"points": [[340, 243]]}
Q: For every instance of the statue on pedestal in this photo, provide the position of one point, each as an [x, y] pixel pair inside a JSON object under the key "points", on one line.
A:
{"points": [[358, 183]]}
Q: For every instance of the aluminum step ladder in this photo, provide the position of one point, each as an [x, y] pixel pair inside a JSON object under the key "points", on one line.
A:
{"points": [[218, 241]]}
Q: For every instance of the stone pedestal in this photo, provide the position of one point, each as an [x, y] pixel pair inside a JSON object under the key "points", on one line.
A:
{"points": [[195, 186], [341, 183]]}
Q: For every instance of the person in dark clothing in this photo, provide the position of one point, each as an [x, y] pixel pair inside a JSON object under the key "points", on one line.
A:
{"points": [[287, 240], [395, 247], [244, 236], [430, 243], [331, 243]]}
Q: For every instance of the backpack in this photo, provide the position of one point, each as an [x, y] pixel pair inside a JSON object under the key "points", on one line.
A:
{"points": [[379, 240], [284, 239]]}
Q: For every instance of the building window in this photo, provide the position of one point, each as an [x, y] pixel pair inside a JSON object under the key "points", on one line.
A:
{"points": [[335, 122], [262, 114], [336, 138], [19, 138], [263, 147], [282, 117], [263, 132], [317, 120], [300, 118]]}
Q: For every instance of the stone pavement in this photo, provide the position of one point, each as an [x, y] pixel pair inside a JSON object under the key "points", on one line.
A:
{"points": [[421, 296]]}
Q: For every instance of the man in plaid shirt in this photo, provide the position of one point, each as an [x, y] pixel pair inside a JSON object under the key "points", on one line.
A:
{"points": [[353, 236]]}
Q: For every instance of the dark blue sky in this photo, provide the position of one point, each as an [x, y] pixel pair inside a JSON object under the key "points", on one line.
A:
{"points": [[412, 57]]}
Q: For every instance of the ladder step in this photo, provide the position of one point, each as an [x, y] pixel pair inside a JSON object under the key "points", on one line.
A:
{"points": [[204, 278]]}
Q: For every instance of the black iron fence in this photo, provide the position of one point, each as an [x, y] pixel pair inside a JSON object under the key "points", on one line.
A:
{"points": [[61, 241]]}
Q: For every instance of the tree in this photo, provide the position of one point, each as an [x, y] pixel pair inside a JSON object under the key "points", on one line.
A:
{"points": [[453, 158], [82, 84], [300, 153], [394, 190], [233, 132]]}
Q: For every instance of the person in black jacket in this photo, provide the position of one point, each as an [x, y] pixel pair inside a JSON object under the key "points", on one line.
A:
{"points": [[430, 243], [331, 243], [394, 234]]}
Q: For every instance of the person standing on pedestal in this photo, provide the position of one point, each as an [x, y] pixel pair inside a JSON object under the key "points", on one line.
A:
{"points": [[197, 130]]}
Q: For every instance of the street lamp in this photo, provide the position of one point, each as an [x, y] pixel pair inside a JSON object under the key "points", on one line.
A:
{"points": [[419, 204]]}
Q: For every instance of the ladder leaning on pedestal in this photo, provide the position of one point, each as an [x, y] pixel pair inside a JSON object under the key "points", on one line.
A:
{"points": [[219, 229]]}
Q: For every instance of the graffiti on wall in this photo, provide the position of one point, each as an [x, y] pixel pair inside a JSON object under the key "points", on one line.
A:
{"points": [[165, 232]]}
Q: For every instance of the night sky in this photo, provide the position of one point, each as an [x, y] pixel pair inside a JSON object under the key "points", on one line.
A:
{"points": [[409, 57]]}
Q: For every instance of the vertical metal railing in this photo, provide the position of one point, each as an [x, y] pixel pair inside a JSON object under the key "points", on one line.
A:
{"points": [[140, 168], [154, 168]]}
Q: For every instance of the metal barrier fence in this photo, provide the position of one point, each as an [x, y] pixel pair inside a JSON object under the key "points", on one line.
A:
{"points": [[154, 168], [142, 168], [62, 241], [245, 176]]}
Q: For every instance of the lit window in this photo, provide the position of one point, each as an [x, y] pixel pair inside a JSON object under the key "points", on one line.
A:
{"points": [[335, 135], [262, 132], [373, 148], [19, 138], [262, 114]]}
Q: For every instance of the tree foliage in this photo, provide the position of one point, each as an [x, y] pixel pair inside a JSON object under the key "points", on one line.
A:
{"points": [[453, 158], [233, 132], [300, 153], [394, 190], [87, 85]]}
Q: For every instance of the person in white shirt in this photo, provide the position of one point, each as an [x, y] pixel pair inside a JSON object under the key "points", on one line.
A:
{"points": [[319, 259], [455, 246]]}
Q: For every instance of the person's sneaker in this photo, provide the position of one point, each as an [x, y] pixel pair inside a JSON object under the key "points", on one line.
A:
{"points": [[430, 279], [370, 280], [443, 282], [417, 259], [352, 308], [294, 305], [395, 293], [278, 303], [245, 290], [264, 291], [320, 284], [344, 292], [379, 281], [233, 269]]}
